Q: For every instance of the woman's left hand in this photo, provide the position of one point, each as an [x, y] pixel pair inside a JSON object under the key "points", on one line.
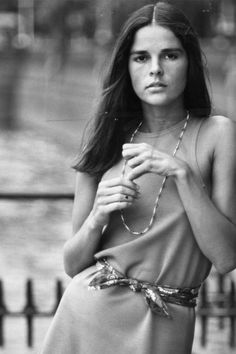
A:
{"points": [[143, 158]]}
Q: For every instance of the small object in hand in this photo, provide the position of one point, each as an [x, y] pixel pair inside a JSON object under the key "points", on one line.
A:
{"points": [[126, 197]]}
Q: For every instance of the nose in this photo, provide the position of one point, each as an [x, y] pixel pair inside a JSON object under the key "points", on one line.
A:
{"points": [[156, 67]]}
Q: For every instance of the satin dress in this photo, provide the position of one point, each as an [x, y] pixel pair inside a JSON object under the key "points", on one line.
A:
{"points": [[117, 320]]}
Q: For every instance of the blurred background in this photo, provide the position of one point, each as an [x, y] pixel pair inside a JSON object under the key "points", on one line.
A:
{"points": [[52, 56]]}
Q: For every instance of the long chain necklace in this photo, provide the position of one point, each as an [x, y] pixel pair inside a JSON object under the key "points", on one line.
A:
{"points": [[137, 233]]}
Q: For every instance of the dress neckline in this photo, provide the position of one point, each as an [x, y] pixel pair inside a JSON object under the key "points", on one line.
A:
{"points": [[162, 132]]}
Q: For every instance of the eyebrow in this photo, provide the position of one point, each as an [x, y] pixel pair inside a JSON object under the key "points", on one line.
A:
{"points": [[165, 50]]}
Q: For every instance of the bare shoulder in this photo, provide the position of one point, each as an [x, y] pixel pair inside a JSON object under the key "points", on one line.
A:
{"points": [[219, 125], [219, 130]]}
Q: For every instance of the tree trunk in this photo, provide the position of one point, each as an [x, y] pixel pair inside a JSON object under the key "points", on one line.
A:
{"points": [[11, 64]]}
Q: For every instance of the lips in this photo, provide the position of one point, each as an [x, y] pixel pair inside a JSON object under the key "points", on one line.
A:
{"points": [[156, 84]]}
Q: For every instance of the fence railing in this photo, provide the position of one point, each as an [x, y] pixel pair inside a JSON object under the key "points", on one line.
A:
{"points": [[23, 196], [220, 304], [30, 310], [216, 305]]}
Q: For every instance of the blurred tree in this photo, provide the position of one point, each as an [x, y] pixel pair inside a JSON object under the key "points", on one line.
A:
{"points": [[200, 13], [13, 50], [9, 5], [121, 11], [62, 20]]}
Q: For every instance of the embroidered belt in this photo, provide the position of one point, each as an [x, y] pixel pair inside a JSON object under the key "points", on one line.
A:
{"points": [[155, 295]]}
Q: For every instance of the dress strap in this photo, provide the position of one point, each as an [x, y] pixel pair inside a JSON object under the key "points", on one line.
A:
{"points": [[197, 124]]}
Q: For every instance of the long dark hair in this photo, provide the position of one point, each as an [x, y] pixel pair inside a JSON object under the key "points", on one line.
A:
{"points": [[119, 106]]}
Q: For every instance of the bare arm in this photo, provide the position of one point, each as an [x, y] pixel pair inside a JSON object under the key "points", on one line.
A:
{"points": [[92, 206], [213, 220], [84, 231]]}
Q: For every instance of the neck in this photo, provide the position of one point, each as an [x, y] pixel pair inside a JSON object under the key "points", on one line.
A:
{"points": [[156, 119]]}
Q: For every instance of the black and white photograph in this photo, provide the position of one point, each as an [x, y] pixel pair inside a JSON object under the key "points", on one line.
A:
{"points": [[117, 176]]}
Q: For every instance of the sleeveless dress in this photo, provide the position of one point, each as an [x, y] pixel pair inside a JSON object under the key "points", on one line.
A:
{"points": [[117, 320]]}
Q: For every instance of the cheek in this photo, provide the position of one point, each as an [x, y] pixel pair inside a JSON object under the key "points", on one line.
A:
{"points": [[136, 78], [181, 76], [131, 72]]}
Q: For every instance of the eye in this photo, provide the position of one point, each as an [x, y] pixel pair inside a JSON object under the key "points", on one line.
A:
{"points": [[142, 58], [171, 56]]}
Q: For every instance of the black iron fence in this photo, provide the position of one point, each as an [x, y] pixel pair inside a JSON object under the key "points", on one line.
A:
{"points": [[220, 304], [30, 310], [211, 304], [22, 196]]}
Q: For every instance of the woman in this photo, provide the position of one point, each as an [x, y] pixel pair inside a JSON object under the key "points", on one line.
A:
{"points": [[155, 198]]}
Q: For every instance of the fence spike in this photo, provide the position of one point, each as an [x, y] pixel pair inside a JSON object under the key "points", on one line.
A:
{"points": [[203, 315], [30, 311], [232, 305], [59, 293], [3, 311], [221, 291]]}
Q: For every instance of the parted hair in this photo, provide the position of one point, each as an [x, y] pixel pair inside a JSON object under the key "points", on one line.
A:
{"points": [[119, 108]]}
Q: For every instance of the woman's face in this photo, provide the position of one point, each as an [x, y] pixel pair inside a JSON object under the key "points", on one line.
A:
{"points": [[158, 66]]}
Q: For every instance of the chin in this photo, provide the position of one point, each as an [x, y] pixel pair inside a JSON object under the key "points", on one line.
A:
{"points": [[157, 102], [160, 100]]}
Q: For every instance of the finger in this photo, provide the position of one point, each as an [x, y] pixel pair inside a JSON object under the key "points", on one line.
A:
{"points": [[109, 208], [117, 198], [118, 181], [140, 149], [135, 161], [130, 184], [139, 171], [133, 145], [110, 182], [121, 190], [134, 151]]}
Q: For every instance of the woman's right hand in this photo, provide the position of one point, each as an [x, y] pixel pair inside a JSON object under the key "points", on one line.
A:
{"points": [[92, 207], [113, 194]]}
